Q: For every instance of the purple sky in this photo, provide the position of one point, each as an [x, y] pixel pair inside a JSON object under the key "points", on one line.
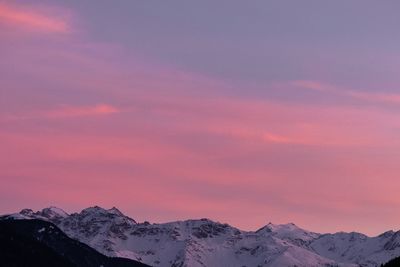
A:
{"points": [[241, 111]]}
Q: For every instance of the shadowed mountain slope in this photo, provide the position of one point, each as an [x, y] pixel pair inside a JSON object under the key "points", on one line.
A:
{"points": [[41, 243]]}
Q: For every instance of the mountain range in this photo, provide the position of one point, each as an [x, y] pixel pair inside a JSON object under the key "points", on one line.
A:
{"points": [[202, 242]]}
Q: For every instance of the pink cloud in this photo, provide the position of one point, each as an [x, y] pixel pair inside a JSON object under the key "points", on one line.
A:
{"points": [[175, 145], [32, 19], [99, 109], [63, 112]]}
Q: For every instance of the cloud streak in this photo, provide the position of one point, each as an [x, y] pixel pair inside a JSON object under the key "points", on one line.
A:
{"points": [[32, 19], [96, 110], [65, 112], [370, 97]]}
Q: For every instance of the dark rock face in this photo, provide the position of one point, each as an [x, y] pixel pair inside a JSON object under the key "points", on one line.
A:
{"points": [[209, 230], [394, 242], [40, 243], [95, 220]]}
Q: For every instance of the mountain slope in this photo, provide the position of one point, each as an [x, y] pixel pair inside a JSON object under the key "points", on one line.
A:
{"points": [[392, 263], [358, 248], [40, 243], [203, 242], [19, 250]]}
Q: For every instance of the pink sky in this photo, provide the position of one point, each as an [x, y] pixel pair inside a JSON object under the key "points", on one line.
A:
{"points": [[85, 121]]}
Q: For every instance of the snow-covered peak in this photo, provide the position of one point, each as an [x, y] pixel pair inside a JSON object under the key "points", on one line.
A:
{"points": [[97, 213], [94, 210], [289, 232], [289, 227], [358, 248], [54, 212], [26, 212], [96, 223]]}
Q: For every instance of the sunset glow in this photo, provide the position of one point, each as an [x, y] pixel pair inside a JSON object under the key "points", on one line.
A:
{"points": [[246, 119]]}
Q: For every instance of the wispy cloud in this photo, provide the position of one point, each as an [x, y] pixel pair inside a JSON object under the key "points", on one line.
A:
{"points": [[279, 139], [65, 112], [311, 85], [99, 109], [382, 98], [30, 19], [375, 97]]}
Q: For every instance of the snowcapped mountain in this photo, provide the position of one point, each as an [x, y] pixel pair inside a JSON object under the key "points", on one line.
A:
{"points": [[197, 243], [358, 248], [289, 232]]}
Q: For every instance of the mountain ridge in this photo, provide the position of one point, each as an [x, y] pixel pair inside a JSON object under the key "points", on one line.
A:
{"points": [[203, 242]]}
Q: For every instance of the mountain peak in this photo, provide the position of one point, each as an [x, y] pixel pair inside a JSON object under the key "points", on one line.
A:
{"points": [[115, 211], [94, 209], [26, 212], [52, 211], [271, 227], [99, 213], [289, 232]]}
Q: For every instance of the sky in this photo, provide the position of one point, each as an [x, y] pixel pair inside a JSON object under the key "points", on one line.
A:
{"points": [[244, 112]]}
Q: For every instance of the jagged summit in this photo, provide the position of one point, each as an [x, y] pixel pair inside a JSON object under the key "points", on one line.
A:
{"points": [[26, 212], [115, 211], [97, 213], [275, 227], [54, 212], [50, 213], [100, 210]]}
